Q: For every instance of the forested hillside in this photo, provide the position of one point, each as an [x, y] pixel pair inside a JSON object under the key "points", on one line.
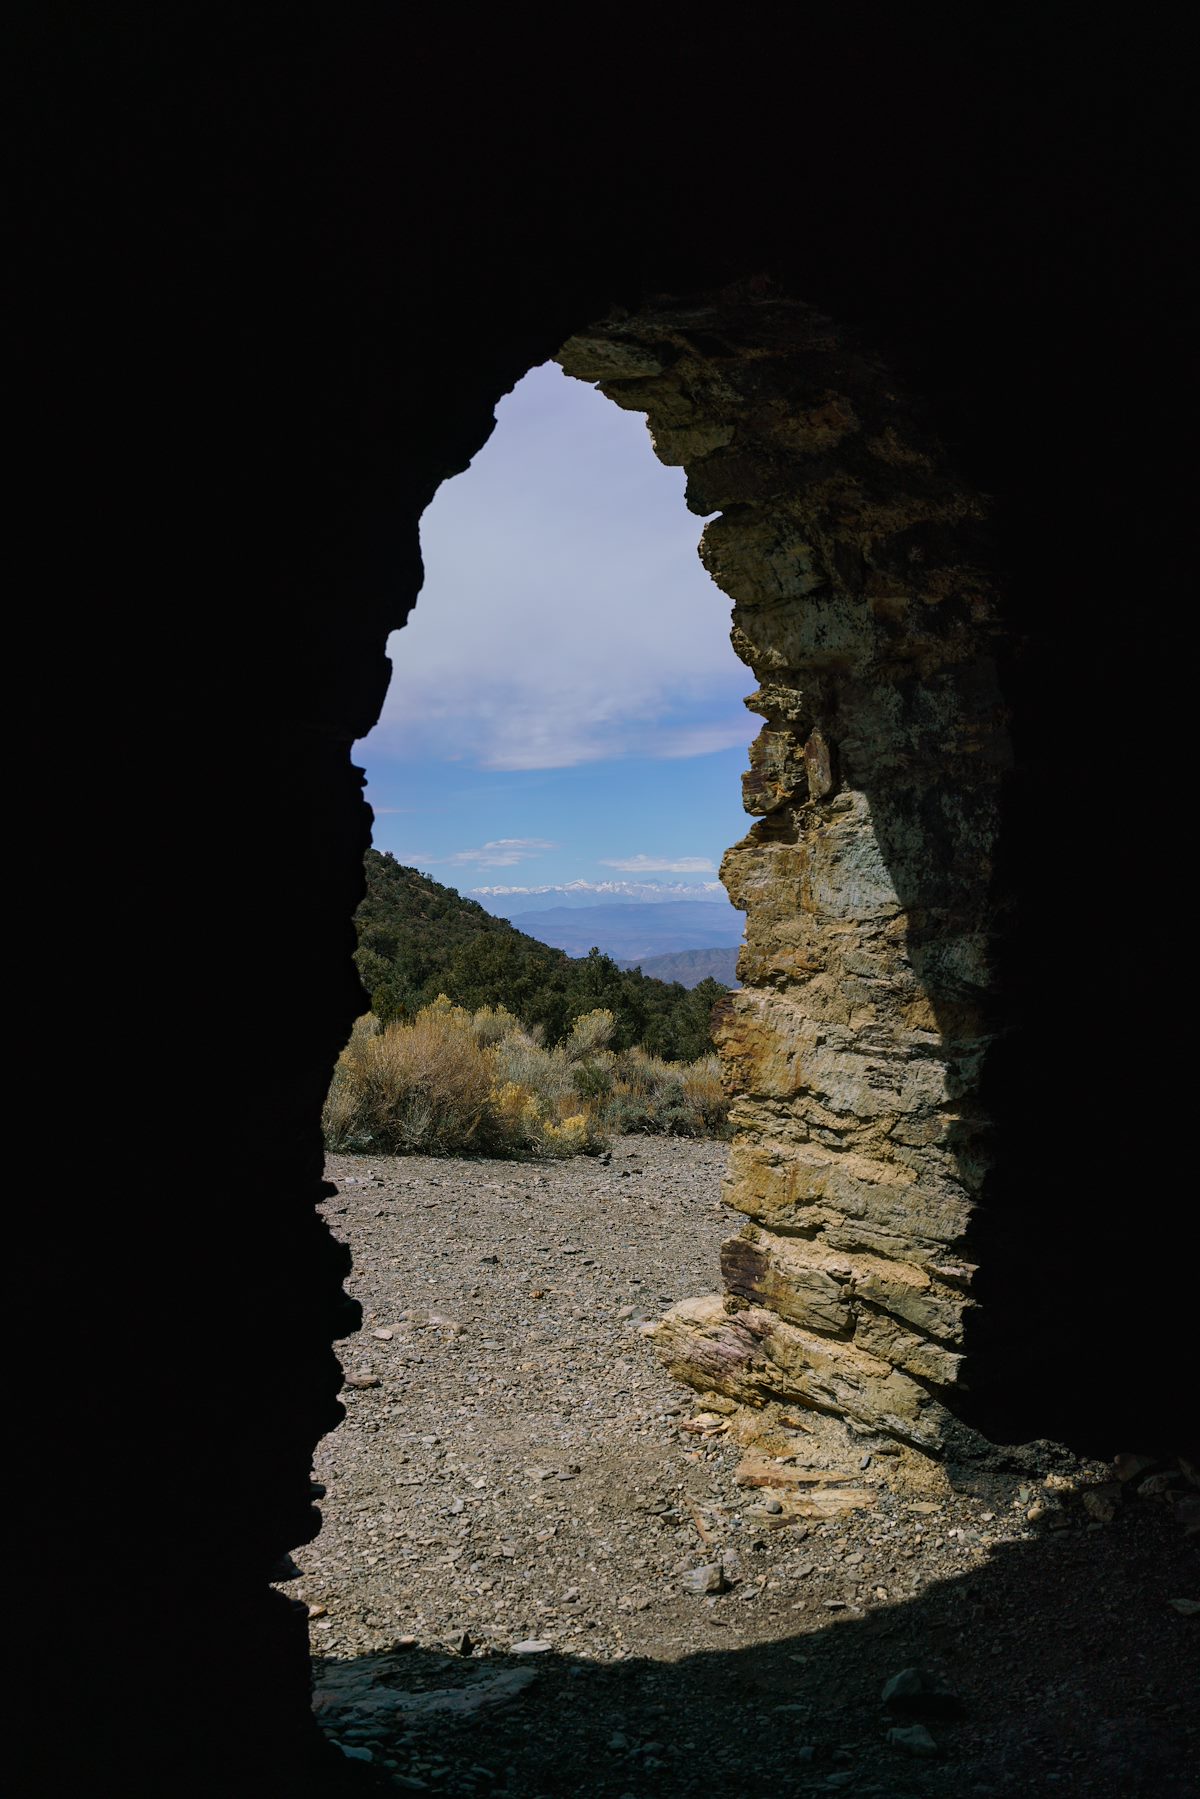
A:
{"points": [[417, 939]]}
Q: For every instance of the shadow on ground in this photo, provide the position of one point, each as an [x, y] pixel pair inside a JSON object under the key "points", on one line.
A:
{"points": [[1073, 1673]]}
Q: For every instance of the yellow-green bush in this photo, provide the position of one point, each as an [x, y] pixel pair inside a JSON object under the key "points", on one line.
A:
{"points": [[590, 1035]]}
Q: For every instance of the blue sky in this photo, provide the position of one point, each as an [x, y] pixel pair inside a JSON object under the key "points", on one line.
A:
{"points": [[565, 705]]}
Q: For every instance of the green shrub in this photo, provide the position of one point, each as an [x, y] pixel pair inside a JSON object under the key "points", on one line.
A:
{"points": [[493, 1023], [593, 1080]]}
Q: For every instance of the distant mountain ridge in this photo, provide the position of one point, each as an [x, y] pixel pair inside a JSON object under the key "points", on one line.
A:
{"points": [[507, 901], [632, 930], [691, 966]]}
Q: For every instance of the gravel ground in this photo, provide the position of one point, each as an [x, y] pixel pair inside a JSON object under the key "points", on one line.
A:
{"points": [[520, 1504]]}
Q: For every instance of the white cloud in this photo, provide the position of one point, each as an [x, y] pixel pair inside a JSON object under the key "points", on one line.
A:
{"points": [[502, 852], [566, 617], [733, 733], [660, 865]]}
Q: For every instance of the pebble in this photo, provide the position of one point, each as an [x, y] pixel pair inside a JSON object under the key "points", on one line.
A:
{"points": [[914, 1738], [918, 1690], [902, 1686], [1187, 1513], [710, 1578], [1128, 1467]]}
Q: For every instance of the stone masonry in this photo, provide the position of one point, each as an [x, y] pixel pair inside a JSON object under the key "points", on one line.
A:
{"points": [[865, 604]]}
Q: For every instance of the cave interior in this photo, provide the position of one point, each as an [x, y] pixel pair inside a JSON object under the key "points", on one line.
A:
{"points": [[287, 275]]}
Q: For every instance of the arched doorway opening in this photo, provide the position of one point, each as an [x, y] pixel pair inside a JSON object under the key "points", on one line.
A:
{"points": [[288, 276], [864, 577], [864, 596]]}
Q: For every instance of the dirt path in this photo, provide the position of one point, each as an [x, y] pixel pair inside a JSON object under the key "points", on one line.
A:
{"points": [[519, 1504]]}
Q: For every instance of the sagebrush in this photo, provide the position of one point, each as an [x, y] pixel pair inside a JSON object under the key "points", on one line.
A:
{"points": [[451, 1081]]}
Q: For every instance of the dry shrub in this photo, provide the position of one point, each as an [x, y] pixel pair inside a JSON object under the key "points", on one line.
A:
{"points": [[527, 1125], [704, 1089], [676, 1099], [435, 1085], [342, 1119], [544, 1072], [419, 1086], [454, 1083], [551, 1119], [573, 1135], [493, 1023]]}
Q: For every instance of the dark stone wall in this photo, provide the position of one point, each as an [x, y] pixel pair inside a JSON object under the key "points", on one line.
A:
{"points": [[281, 265]]}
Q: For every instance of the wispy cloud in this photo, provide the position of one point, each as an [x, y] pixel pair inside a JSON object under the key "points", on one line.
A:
{"points": [[566, 618], [678, 741], [503, 852], [660, 865]]}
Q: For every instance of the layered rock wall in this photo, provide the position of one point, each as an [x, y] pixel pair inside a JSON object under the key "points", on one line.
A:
{"points": [[865, 603]]}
